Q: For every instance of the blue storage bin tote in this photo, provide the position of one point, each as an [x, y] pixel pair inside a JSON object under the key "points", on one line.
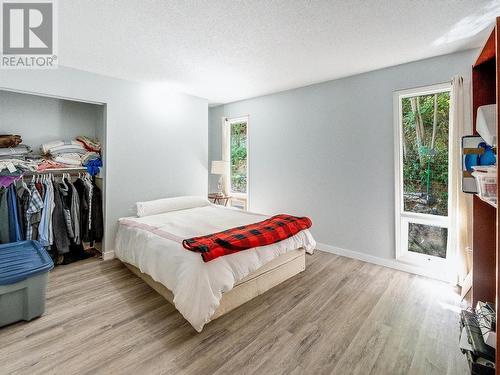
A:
{"points": [[24, 269]]}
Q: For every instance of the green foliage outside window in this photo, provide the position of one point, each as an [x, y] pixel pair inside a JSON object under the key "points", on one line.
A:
{"points": [[239, 157], [425, 153]]}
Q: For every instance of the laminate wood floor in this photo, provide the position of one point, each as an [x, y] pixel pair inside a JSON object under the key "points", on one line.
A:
{"points": [[340, 316]]}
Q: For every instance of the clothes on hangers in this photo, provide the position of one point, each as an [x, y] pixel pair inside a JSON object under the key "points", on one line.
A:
{"points": [[6, 181], [92, 226], [33, 213], [71, 205], [97, 220], [64, 190], [20, 214], [59, 226], [75, 212], [23, 197], [4, 217], [14, 224], [55, 211], [84, 195], [46, 233]]}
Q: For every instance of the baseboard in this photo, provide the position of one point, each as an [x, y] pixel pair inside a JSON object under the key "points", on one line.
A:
{"points": [[390, 263], [107, 255]]}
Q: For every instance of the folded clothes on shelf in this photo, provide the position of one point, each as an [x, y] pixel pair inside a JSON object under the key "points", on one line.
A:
{"points": [[17, 152], [70, 159], [9, 140], [59, 154], [13, 166], [46, 164], [13, 169], [58, 146], [90, 144], [90, 156], [16, 173], [67, 149]]}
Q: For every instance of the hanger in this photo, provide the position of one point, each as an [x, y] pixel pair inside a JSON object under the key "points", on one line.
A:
{"points": [[24, 186], [63, 182]]}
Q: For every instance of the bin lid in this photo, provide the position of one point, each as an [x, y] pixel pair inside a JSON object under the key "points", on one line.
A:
{"points": [[20, 260]]}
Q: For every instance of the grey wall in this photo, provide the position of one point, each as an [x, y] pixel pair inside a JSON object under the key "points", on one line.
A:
{"points": [[42, 119], [156, 139], [215, 116], [327, 151]]}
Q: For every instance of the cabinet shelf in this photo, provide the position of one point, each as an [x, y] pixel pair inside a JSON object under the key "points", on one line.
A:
{"points": [[490, 202]]}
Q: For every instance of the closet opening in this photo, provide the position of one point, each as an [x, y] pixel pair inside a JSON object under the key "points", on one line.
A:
{"points": [[52, 174]]}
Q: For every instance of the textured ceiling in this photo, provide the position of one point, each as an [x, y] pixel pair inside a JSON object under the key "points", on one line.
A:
{"points": [[230, 50]]}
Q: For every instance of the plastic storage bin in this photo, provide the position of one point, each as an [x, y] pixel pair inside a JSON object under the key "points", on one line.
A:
{"points": [[24, 271], [486, 179]]}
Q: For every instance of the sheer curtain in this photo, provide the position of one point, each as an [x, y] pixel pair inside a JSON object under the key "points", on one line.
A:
{"points": [[461, 203]]}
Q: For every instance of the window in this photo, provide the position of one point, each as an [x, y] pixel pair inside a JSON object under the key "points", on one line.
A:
{"points": [[238, 165], [422, 118], [236, 152]]}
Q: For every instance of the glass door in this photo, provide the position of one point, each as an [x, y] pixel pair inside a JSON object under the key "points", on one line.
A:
{"points": [[422, 178], [236, 151]]}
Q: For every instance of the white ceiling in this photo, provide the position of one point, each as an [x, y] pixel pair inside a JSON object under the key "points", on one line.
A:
{"points": [[226, 50]]}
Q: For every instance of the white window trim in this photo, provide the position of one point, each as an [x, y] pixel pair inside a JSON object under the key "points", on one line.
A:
{"points": [[401, 217], [227, 134]]}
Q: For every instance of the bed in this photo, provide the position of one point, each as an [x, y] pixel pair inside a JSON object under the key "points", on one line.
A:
{"points": [[150, 245]]}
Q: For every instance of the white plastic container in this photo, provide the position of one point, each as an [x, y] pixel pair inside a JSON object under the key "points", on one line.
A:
{"points": [[486, 123], [486, 179]]}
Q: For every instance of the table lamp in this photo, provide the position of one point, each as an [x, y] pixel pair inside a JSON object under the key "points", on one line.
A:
{"points": [[219, 167]]}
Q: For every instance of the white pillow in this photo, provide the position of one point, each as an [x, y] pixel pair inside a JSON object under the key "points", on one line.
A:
{"points": [[160, 206]]}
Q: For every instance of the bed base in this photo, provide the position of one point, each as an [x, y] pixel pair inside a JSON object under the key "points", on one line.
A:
{"points": [[256, 283]]}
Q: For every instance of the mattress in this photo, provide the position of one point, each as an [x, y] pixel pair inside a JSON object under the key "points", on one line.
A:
{"points": [[153, 245], [256, 283]]}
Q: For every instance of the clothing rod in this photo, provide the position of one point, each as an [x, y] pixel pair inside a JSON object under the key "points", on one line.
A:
{"points": [[70, 171]]}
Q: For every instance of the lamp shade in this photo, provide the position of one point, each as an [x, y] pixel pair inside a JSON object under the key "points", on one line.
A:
{"points": [[219, 167]]}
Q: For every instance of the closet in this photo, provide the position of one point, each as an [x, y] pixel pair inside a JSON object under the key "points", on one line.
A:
{"points": [[40, 119]]}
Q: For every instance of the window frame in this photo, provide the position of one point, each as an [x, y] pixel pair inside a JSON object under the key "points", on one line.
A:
{"points": [[402, 217], [227, 129]]}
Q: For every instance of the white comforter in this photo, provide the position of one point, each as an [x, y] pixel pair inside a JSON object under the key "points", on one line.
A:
{"points": [[152, 244]]}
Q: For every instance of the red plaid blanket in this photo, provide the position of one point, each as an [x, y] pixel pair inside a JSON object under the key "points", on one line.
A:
{"points": [[266, 232]]}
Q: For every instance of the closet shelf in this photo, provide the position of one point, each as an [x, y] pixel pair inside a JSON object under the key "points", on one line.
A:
{"points": [[491, 203], [58, 170]]}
